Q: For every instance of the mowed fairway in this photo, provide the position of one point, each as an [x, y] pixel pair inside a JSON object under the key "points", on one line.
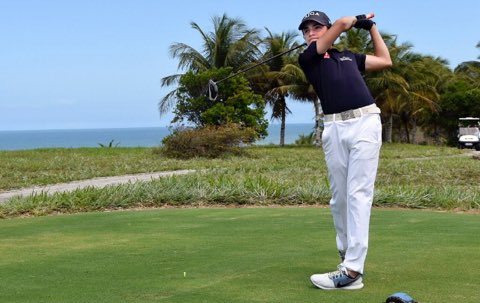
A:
{"points": [[232, 255]]}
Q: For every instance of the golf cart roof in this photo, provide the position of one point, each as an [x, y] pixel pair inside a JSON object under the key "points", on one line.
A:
{"points": [[469, 119]]}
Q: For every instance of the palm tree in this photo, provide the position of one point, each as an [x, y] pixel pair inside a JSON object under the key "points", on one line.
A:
{"points": [[439, 76], [230, 44], [407, 90], [423, 94], [295, 84], [478, 46], [389, 87], [410, 90], [355, 40], [469, 72], [267, 82]]}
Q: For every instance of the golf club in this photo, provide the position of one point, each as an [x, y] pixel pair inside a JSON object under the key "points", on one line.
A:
{"points": [[212, 85]]}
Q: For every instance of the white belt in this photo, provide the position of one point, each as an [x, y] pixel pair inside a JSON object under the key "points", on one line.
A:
{"points": [[352, 113]]}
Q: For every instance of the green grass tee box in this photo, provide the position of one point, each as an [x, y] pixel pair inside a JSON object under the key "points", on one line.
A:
{"points": [[232, 255]]}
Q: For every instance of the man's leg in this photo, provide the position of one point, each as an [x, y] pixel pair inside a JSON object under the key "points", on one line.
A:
{"points": [[362, 170], [336, 158], [354, 155], [336, 155]]}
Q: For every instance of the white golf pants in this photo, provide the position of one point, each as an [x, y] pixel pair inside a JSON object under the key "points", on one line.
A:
{"points": [[352, 150]]}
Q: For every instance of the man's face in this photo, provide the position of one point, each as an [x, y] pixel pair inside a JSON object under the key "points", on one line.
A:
{"points": [[312, 31]]}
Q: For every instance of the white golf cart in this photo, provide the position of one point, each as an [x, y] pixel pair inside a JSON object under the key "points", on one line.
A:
{"points": [[469, 133]]}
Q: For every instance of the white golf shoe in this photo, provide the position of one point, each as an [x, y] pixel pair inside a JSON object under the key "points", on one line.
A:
{"points": [[337, 280]]}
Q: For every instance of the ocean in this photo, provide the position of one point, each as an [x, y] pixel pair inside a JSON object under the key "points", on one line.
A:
{"points": [[121, 137]]}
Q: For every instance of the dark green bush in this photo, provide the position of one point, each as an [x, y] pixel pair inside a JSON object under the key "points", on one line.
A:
{"points": [[208, 141]]}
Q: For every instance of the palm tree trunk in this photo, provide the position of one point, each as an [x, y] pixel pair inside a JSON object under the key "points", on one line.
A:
{"points": [[407, 132], [318, 118], [388, 129], [436, 134], [282, 128], [414, 131]]}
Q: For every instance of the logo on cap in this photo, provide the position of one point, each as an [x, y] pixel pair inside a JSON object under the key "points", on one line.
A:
{"points": [[312, 13]]}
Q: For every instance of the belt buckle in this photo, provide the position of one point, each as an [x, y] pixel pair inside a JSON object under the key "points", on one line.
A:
{"points": [[347, 115]]}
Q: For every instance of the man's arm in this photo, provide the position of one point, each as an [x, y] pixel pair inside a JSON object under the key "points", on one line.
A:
{"points": [[338, 27], [381, 57]]}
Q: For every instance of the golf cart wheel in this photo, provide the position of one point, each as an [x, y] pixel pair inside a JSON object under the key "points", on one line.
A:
{"points": [[477, 147]]}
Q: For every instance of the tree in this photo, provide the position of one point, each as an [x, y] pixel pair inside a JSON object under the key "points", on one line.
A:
{"points": [[387, 86], [267, 81], [230, 44], [236, 102], [436, 76], [455, 104], [460, 99], [296, 85], [409, 91], [469, 71], [355, 40]]}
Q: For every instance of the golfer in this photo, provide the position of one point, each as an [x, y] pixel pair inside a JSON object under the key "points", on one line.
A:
{"points": [[352, 135]]}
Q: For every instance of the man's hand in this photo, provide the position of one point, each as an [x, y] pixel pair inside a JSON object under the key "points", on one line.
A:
{"points": [[364, 24], [367, 16]]}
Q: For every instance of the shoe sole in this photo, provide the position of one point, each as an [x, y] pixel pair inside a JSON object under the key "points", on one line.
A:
{"points": [[348, 287]]}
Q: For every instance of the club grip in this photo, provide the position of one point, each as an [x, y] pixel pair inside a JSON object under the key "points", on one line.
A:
{"points": [[366, 16]]}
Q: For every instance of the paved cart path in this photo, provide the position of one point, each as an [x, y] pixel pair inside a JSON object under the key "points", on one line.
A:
{"points": [[96, 182]]}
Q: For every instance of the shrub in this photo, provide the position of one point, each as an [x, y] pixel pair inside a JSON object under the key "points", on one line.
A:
{"points": [[305, 139], [208, 141]]}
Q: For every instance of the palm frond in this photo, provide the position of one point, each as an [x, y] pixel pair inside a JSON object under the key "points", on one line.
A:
{"points": [[167, 102], [189, 58], [170, 80]]}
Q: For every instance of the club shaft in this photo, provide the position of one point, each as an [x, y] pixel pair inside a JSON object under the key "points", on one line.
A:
{"points": [[261, 62]]}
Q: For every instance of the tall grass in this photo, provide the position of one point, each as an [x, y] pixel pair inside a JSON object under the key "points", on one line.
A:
{"points": [[409, 176]]}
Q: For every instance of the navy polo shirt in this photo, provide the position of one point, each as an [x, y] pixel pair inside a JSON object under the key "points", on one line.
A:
{"points": [[336, 78]]}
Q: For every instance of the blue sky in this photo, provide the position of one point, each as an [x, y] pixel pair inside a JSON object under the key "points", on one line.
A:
{"points": [[68, 64]]}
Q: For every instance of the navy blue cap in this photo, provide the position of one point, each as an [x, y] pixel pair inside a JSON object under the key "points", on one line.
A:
{"points": [[317, 16]]}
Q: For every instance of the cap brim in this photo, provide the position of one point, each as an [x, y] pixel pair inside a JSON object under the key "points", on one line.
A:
{"points": [[301, 26]]}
